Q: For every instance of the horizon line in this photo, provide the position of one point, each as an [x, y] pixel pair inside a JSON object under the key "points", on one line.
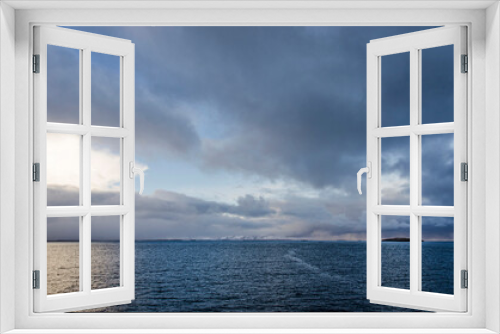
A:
{"points": [[239, 239]]}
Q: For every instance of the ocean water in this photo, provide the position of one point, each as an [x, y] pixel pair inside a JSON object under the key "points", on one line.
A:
{"points": [[251, 276]]}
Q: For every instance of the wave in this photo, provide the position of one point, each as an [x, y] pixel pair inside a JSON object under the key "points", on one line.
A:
{"points": [[291, 255]]}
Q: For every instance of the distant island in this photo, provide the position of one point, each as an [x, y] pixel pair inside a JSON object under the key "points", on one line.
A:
{"points": [[398, 239]]}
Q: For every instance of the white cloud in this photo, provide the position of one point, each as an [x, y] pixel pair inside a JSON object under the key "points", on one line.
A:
{"points": [[105, 170], [63, 164], [63, 160], [395, 188]]}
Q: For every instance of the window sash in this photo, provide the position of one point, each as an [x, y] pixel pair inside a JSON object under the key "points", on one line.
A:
{"points": [[413, 43], [86, 297]]}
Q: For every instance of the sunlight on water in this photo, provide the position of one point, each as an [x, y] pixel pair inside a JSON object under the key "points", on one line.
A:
{"points": [[105, 265], [62, 267]]}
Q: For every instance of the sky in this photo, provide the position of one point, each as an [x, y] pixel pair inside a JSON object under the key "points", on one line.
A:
{"points": [[251, 132]]}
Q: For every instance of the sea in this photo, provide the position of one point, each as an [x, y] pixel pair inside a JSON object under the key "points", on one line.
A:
{"points": [[250, 275]]}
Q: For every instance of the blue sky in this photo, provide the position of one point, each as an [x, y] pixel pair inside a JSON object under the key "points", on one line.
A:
{"points": [[259, 131]]}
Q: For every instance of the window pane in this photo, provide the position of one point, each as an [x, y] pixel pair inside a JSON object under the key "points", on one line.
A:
{"points": [[63, 249], [63, 85], [437, 254], [105, 171], [437, 84], [395, 171], [63, 169], [395, 251], [395, 90], [437, 170], [105, 252], [105, 89]]}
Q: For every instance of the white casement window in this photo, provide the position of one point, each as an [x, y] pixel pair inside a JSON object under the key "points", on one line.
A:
{"points": [[75, 141], [24, 134], [413, 205]]}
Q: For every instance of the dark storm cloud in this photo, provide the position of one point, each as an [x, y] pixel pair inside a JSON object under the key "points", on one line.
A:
{"points": [[395, 170], [163, 129], [437, 170], [250, 206], [395, 94], [63, 195], [164, 203], [284, 103], [292, 99], [167, 215], [105, 87], [437, 228], [437, 84], [63, 86], [63, 229], [395, 227], [67, 195], [294, 217]]}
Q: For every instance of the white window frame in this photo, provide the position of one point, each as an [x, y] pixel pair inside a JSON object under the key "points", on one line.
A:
{"points": [[414, 43], [482, 19], [86, 44]]}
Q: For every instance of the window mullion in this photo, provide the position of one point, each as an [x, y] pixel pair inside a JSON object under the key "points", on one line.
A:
{"points": [[82, 223], [86, 238], [414, 171], [419, 167], [123, 174]]}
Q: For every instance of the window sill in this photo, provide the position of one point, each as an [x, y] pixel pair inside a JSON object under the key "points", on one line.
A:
{"points": [[251, 331]]}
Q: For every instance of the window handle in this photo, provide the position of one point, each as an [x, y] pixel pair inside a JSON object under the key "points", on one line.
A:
{"points": [[134, 170], [368, 171]]}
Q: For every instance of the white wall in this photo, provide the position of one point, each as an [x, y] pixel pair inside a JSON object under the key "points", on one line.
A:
{"points": [[492, 165], [7, 159]]}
